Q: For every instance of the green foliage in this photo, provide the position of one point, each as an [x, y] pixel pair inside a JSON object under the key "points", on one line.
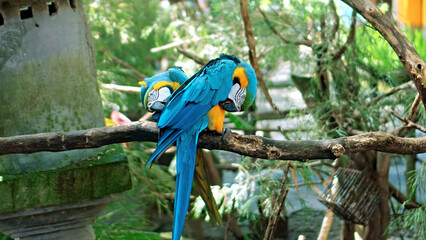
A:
{"points": [[4, 237], [121, 222], [414, 220], [127, 30]]}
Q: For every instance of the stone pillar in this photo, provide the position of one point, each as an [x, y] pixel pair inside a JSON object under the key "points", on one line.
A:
{"points": [[47, 84]]}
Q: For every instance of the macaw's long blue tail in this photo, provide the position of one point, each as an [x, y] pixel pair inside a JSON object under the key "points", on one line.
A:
{"points": [[185, 165]]}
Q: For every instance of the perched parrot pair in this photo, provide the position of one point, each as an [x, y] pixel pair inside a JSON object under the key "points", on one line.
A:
{"points": [[155, 92], [223, 84]]}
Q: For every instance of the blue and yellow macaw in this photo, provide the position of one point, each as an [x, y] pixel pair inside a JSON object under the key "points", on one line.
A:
{"points": [[155, 91], [224, 83]]}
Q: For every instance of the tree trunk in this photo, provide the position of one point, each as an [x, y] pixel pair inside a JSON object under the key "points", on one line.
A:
{"points": [[348, 230], [380, 220]]}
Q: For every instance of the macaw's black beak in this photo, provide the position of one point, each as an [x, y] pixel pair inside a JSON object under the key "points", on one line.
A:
{"points": [[157, 106], [229, 105]]}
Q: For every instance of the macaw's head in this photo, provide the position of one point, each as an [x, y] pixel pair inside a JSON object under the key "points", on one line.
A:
{"points": [[156, 90], [243, 91]]}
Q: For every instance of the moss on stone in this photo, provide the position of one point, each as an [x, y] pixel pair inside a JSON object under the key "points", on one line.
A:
{"points": [[98, 176]]}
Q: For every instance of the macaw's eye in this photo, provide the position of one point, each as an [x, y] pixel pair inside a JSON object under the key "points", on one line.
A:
{"points": [[235, 80]]}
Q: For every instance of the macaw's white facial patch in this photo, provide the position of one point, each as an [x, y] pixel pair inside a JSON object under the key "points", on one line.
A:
{"points": [[237, 95], [158, 96]]}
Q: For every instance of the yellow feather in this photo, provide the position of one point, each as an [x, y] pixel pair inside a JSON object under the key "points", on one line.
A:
{"points": [[161, 84], [240, 73], [109, 122]]}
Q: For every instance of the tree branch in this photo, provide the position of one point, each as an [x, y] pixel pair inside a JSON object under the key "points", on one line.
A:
{"points": [[402, 198], [282, 114], [248, 145], [392, 91], [408, 123], [287, 41], [335, 25], [252, 52], [122, 63], [192, 56], [278, 208], [414, 107], [410, 59], [120, 88], [351, 37]]}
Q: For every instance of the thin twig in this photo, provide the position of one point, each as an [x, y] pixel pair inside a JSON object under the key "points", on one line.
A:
{"points": [[411, 116], [275, 215], [335, 25], [287, 41], [392, 91], [181, 42], [136, 73], [408, 123], [402, 198], [120, 88], [252, 52], [350, 39], [192, 56], [414, 107], [282, 114]]}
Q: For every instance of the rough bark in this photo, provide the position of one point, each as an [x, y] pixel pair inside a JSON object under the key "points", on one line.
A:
{"points": [[248, 145]]}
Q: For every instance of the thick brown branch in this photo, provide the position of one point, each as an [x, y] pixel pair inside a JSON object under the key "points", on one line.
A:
{"points": [[414, 65], [253, 146], [252, 52]]}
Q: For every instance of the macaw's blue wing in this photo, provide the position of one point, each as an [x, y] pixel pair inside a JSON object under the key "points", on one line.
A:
{"points": [[199, 94], [192, 100]]}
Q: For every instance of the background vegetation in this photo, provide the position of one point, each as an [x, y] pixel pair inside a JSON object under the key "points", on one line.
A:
{"points": [[304, 50]]}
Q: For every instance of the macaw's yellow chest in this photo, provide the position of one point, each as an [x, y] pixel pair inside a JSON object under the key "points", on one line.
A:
{"points": [[216, 117]]}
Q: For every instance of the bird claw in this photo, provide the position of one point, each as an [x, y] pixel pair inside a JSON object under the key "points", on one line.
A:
{"points": [[225, 133]]}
